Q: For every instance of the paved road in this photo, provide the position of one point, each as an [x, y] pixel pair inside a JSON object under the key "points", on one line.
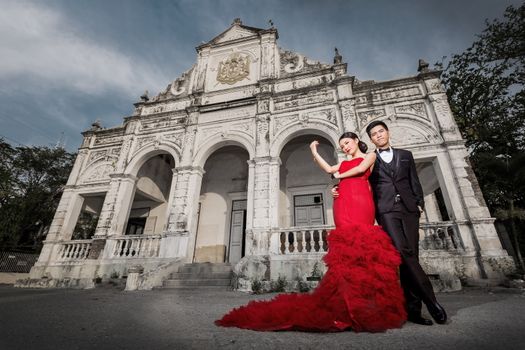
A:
{"points": [[106, 318]]}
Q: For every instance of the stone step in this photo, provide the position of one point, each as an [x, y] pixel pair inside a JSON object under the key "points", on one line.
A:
{"points": [[205, 268], [200, 275], [173, 283]]}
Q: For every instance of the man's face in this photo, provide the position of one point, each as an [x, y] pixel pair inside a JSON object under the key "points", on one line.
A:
{"points": [[379, 136]]}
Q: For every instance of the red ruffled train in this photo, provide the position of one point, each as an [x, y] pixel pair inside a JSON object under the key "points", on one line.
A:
{"points": [[360, 290]]}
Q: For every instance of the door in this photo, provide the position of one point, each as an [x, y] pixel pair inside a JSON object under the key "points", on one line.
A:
{"points": [[237, 231], [309, 210]]}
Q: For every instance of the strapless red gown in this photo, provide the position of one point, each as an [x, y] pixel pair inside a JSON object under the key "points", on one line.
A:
{"points": [[360, 290]]}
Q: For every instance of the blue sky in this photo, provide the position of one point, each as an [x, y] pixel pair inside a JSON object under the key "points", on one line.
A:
{"points": [[64, 64]]}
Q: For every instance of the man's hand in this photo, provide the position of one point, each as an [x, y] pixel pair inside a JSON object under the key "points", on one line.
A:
{"points": [[421, 210], [335, 194]]}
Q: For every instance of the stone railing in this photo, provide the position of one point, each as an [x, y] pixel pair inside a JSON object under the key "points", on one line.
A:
{"points": [[135, 246], [74, 250], [300, 240], [440, 236]]}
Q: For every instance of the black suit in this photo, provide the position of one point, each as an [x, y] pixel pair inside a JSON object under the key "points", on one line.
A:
{"points": [[400, 219]]}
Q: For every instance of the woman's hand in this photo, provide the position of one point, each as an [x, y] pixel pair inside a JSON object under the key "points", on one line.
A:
{"points": [[336, 175]]}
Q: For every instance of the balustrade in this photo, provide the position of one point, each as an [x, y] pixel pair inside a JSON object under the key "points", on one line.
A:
{"points": [[302, 240], [440, 236], [136, 246], [74, 250]]}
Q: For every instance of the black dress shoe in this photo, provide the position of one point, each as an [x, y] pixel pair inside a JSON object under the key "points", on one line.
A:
{"points": [[437, 312], [418, 319]]}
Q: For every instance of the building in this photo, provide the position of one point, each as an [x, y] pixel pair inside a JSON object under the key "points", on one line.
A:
{"points": [[217, 168]]}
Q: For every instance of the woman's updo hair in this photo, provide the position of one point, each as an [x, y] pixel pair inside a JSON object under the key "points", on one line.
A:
{"points": [[350, 135]]}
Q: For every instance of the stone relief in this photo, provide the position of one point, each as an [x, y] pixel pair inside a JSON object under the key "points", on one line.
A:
{"points": [[263, 106], [233, 69], [105, 154], [161, 123], [280, 123], [311, 97], [403, 136], [414, 109], [293, 62], [108, 139], [142, 141], [367, 116], [99, 173], [388, 94], [175, 138]]}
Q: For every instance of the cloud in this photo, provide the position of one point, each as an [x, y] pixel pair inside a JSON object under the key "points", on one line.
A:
{"points": [[38, 43]]}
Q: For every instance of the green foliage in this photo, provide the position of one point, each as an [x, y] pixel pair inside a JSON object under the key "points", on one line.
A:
{"points": [[303, 286], [485, 88], [316, 271], [256, 286], [31, 183], [280, 284]]}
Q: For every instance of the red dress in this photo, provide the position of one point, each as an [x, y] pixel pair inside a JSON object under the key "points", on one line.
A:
{"points": [[360, 290]]}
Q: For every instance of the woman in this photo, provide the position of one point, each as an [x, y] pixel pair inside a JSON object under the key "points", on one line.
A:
{"points": [[360, 290]]}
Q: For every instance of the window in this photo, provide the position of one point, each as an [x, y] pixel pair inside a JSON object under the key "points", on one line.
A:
{"points": [[309, 210]]}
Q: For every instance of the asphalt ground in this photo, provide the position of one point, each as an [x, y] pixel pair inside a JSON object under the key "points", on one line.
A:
{"points": [[108, 318]]}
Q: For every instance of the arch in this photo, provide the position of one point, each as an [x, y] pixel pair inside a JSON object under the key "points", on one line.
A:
{"points": [[416, 132], [299, 129], [220, 140], [151, 150]]}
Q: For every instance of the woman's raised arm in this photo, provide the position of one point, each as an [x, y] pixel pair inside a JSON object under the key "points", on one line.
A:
{"points": [[367, 162], [330, 169]]}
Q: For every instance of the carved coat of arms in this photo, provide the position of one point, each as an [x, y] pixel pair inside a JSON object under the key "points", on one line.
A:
{"points": [[233, 69]]}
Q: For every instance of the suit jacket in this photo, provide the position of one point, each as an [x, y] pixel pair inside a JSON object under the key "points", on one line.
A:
{"points": [[401, 177]]}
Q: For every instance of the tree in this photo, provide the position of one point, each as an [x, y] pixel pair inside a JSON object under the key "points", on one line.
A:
{"points": [[485, 88], [31, 183]]}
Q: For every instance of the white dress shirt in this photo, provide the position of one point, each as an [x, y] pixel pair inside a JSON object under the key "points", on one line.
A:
{"points": [[386, 155]]}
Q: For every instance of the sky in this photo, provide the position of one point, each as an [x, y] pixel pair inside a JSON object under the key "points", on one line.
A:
{"points": [[66, 63]]}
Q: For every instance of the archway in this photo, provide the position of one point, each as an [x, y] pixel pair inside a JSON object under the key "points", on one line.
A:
{"points": [[222, 206], [148, 211], [304, 196]]}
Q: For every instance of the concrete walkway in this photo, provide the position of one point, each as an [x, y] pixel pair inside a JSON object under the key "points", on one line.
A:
{"points": [[107, 318]]}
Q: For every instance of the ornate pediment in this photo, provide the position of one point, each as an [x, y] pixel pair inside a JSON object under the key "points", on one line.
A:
{"points": [[236, 31]]}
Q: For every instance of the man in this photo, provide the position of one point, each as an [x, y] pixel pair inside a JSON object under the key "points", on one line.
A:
{"points": [[398, 197]]}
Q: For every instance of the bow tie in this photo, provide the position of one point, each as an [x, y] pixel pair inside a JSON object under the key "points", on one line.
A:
{"points": [[384, 150]]}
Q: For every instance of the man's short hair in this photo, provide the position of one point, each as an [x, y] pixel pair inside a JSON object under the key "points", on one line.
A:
{"points": [[374, 124]]}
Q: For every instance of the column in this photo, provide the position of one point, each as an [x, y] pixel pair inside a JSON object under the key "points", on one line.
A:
{"points": [[179, 238], [114, 215]]}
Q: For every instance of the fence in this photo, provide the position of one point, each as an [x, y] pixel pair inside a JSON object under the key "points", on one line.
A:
{"points": [[17, 262]]}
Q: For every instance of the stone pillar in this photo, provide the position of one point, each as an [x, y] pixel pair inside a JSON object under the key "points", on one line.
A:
{"points": [[114, 215], [348, 114], [65, 216], [268, 53], [432, 213], [265, 202], [179, 239], [471, 212], [116, 207]]}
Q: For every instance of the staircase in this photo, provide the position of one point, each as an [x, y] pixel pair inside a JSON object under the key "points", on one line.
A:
{"points": [[201, 275]]}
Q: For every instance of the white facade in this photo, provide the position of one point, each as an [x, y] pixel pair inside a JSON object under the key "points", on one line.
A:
{"points": [[217, 168]]}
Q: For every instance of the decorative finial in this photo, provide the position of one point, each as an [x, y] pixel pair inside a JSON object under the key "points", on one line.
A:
{"points": [[237, 21], [270, 22], [338, 59], [145, 97], [96, 125], [422, 66]]}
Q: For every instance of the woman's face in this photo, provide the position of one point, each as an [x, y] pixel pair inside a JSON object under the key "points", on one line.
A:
{"points": [[348, 145]]}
